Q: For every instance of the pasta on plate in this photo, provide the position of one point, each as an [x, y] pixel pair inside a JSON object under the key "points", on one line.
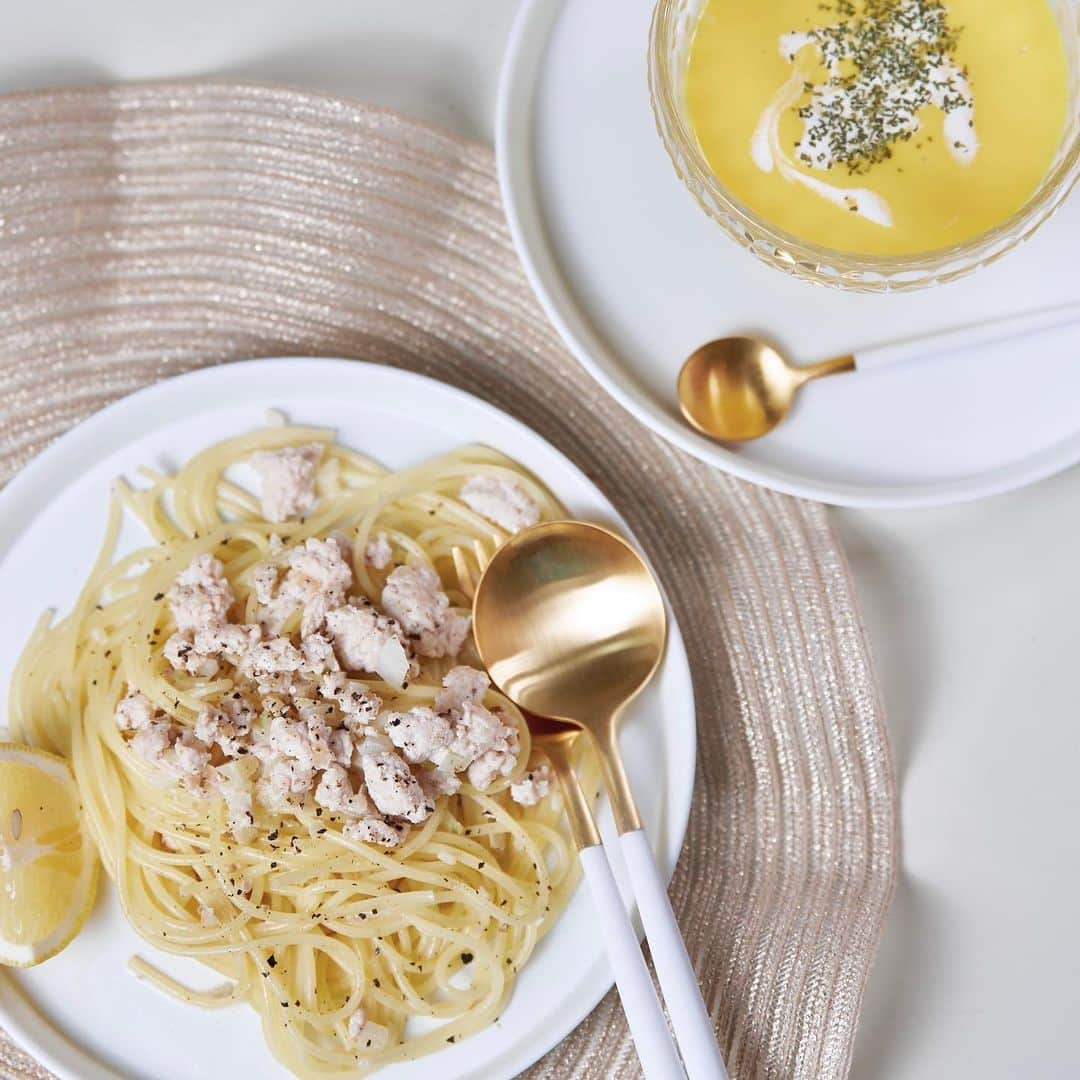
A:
{"points": [[290, 762]]}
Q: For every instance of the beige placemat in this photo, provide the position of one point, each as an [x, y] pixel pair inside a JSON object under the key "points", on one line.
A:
{"points": [[148, 230]]}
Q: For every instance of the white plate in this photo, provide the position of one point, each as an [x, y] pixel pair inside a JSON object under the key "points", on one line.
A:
{"points": [[82, 1013], [635, 276]]}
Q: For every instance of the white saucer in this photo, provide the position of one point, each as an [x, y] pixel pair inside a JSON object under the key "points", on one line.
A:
{"points": [[82, 1014], [635, 276]]}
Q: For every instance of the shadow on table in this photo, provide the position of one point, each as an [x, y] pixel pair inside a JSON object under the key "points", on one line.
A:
{"points": [[58, 72], [895, 599], [903, 994], [895, 602], [423, 78]]}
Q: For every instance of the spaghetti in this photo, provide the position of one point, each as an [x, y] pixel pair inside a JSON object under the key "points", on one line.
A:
{"points": [[339, 944]]}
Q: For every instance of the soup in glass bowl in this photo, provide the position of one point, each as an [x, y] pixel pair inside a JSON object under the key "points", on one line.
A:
{"points": [[871, 144]]}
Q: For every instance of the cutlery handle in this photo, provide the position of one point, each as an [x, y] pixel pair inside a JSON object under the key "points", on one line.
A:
{"points": [[649, 1029], [689, 1018], [967, 337]]}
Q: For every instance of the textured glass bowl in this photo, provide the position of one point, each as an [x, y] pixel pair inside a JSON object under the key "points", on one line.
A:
{"points": [[673, 25]]}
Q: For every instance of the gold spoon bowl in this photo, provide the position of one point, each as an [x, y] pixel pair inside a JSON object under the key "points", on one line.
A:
{"points": [[571, 625], [740, 388]]}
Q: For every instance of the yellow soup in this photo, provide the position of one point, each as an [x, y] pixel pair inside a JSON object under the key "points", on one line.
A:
{"points": [[879, 126]]}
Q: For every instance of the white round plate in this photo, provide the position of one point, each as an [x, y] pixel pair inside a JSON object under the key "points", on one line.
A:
{"points": [[636, 276], [82, 1013]]}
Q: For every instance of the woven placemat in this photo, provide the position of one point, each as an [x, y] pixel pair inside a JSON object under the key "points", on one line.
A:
{"points": [[146, 230]]}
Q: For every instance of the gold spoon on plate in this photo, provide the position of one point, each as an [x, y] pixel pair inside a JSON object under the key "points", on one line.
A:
{"points": [[570, 624], [557, 740], [740, 388]]}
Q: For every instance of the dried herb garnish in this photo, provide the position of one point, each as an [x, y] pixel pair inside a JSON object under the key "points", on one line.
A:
{"points": [[886, 60]]}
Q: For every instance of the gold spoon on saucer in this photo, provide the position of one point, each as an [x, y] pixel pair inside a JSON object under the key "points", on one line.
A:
{"points": [[571, 624], [739, 388]]}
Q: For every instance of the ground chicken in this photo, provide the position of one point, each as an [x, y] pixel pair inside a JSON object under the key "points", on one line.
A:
{"points": [[413, 595], [335, 793], [501, 501], [535, 785], [200, 596], [264, 578], [228, 639], [134, 712], [287, 478], [319, 657], [460, 685], [390, 782], [358, 705], [183, 656], [437, 782], [378, 553], [317, 580], [274, 657], [367, 641], [375, 830], [153, 741], [341, 746], [419, 733], [284, 782], [226, 729]]}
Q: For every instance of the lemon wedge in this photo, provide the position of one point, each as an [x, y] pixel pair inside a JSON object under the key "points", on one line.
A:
{"points": [[48, 866]]}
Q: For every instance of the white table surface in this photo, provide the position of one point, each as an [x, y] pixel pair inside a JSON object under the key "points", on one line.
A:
{"points": [[971, 609]]}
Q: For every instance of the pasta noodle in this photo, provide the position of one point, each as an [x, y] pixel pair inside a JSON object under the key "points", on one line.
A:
{"points": [[328, 938]]}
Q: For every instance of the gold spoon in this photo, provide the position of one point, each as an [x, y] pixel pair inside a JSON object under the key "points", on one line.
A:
{"points": [[740, 388], [556, 739], [644, 1014], [570, 624]]}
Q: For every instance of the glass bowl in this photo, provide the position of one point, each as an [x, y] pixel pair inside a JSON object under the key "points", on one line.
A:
{"points": [[673, 25]]}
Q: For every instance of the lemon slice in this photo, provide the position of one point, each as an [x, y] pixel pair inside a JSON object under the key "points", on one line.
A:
{"points": [[48, 867]]}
